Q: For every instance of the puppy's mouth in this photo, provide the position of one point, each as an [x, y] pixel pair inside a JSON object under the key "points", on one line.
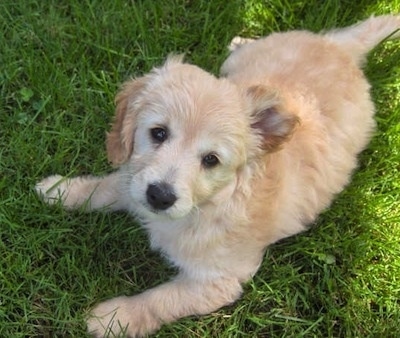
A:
{"points": [[171, 213]]}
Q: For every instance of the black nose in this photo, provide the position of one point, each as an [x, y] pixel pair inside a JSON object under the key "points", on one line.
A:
{"points": [[160, 196]]}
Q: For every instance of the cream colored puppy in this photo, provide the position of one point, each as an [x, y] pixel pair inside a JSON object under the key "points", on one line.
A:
{"points": [[218, 169]]}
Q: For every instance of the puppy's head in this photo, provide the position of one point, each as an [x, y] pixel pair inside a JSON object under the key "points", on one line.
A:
{"points": [[185, 136]]}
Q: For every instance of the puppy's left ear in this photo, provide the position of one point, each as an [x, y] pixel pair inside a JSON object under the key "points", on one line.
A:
{"points": [[119, 141], [269, 118]]}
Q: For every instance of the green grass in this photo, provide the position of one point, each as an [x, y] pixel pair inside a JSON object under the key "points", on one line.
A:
{"points": [[61, 63]]}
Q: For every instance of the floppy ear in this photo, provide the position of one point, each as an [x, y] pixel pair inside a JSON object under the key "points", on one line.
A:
{"points": [[269, 119], [119, 143]]}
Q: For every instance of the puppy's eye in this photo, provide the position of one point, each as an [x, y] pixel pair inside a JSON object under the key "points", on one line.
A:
{"points": [[159, 134], [210, 161]]}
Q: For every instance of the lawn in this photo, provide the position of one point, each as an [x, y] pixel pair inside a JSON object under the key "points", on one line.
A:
{"points": [[61, 63]]}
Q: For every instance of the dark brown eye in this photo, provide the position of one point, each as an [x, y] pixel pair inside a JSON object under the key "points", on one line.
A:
{"points": [[210, 161], [159, 134]]}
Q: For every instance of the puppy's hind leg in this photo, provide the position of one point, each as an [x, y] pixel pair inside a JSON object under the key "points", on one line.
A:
{"points": [[88, 191]]}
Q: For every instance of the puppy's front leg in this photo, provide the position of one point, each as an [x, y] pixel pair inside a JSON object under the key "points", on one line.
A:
{"points": [[142, 314], [92, 192]]}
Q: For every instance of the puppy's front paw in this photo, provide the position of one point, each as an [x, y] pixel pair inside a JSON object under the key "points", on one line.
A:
{"points": [[52, 189], [121, 317]]}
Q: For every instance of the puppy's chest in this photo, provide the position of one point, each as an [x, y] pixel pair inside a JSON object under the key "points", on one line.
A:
{"points": [[189, 243]]}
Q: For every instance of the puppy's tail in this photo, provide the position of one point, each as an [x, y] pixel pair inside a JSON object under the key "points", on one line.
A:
{"points": [[361, 38]]}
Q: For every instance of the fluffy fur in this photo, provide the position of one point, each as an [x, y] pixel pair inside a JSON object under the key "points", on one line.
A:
{"points": [[219, 168]]}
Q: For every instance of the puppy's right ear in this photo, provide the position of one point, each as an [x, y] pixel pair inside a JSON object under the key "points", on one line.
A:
{"points": [[269, 118], [119, 143]]}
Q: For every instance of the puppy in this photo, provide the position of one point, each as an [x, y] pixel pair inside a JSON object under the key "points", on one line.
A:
{"points": [[219, 168]]}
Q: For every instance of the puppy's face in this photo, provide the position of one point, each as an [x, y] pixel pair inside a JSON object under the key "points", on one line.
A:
{"points": [[184, 137]]}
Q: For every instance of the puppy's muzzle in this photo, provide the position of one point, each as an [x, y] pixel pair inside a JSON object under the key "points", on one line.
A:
{"points": [[160, 196]]}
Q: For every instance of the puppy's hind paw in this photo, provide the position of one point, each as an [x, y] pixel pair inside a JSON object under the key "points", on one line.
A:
{"points": [[52, 189], [237, 42]]}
